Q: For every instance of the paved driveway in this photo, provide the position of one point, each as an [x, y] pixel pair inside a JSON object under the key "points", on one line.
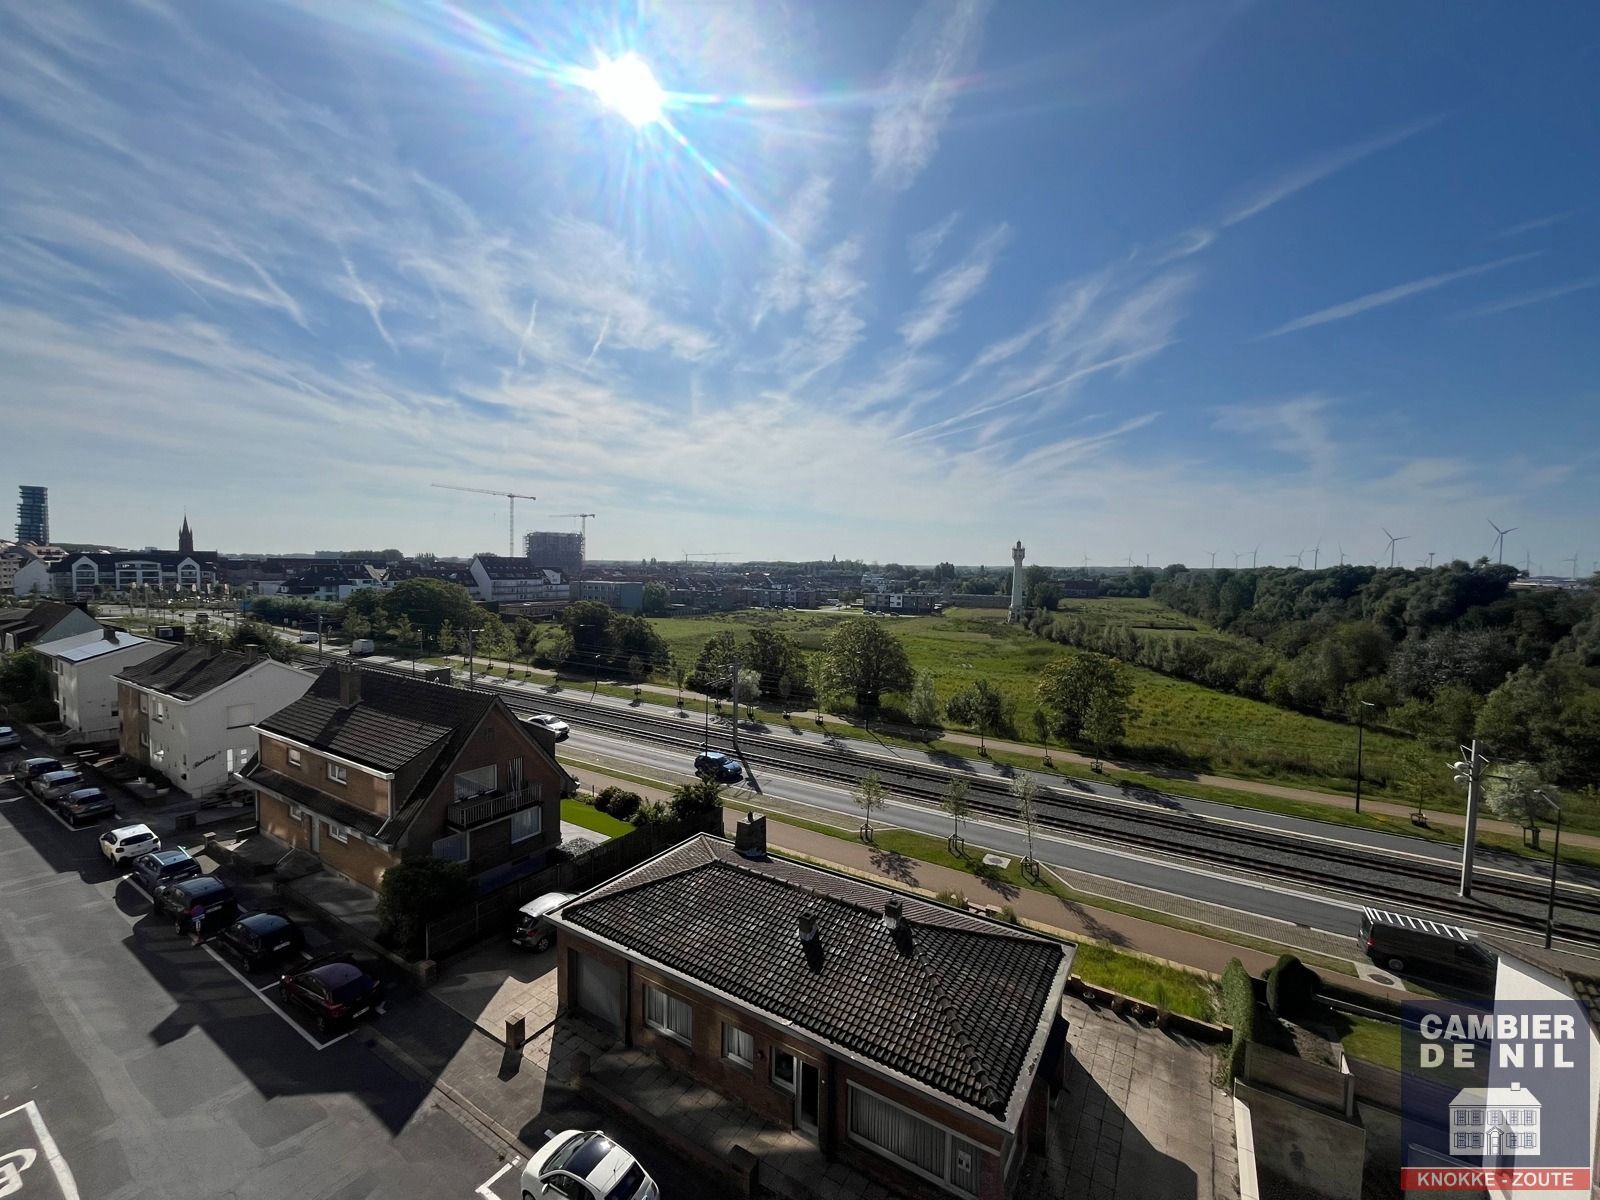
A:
{"points": [[488, 984]]}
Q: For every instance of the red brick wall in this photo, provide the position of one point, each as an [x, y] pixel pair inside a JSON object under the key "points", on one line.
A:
{"points": [[361, 789], [134, 725]]}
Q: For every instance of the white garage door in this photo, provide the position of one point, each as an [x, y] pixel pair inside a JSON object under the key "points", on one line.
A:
{"points": [[599, 990]]}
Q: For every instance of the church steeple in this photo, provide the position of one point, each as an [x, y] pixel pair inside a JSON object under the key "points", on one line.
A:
{"points": [[185, 537]]}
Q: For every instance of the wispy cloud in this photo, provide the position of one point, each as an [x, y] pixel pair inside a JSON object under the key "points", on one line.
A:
{"points": [[1537, 296], [943, 298], [369, 301], [1296, 427], [923, 245], [1537, 223], [527, 332], [783, 289], [1297, 179], [1393, 295], [935, 52]]}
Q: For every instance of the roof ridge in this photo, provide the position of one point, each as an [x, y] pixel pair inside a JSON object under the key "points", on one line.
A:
{"points": [[950, 1011]]}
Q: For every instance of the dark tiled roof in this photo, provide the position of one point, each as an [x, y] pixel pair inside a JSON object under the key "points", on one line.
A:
{"points": [[498, 566], [954, 1003], [396, 719], [309, 797], [186, 672], [36, 619]]}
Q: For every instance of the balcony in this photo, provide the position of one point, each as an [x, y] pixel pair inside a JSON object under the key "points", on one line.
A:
{"points": [[471, 811]]}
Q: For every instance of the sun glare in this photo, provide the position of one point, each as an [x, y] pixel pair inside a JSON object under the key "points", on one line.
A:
{"points": [[628, 87]]}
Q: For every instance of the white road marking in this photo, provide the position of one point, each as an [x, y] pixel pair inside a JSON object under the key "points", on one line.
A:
{"points": [[483, 1188], [260, 994], [52, 1153]]}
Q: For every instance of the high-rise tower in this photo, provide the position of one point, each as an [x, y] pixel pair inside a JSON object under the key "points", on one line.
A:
{"points": [[1017, 555], [33, 515]]}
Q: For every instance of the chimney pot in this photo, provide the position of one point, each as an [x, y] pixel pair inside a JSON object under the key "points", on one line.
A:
{"points": [[750, 836], [349, 685], [891, 913], [807, 922], [109, 634]]}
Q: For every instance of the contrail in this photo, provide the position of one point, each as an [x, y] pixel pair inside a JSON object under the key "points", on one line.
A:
{"points": [[604, 326], [533, 314]]}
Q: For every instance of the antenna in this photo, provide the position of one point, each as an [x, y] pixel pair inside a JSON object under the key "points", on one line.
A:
{"points": [[1393, 542], [511, 519], [1500, 541]]}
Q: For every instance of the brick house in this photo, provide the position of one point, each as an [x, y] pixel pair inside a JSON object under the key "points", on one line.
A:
{"points": [[371, 767], [917, 1043]]}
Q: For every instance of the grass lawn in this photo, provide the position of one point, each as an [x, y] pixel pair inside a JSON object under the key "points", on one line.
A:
{"points": [[579, 813], [1179, 991], [1375, 1041]]}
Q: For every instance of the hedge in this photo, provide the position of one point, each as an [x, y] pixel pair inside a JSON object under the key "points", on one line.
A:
{"points": [[1239, 1007]]}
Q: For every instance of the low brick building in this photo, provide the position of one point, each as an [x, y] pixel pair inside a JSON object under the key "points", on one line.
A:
{"points": [[915, 1042], [370, 767]]}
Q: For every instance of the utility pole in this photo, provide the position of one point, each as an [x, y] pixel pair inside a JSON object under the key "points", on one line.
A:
{"points": [[1361, 729], [1555, 864], [733, 677], [319, 637], [1469, 771]]}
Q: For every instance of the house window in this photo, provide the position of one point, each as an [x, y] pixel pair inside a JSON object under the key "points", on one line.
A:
{"points": [[144, 703], [738, 1045], [478, 782], [514, 776], [526, 824], [901, 1135], [294, 758], [668, 1014], [783, 1069], [338, 832], [455, 848], [336, 773], [161, 710]]}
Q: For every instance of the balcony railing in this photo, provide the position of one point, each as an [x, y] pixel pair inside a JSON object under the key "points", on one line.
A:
{"points": [[470, 811]]}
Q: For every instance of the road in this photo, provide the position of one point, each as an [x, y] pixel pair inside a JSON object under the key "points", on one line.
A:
{"points": [[134, 1064]]}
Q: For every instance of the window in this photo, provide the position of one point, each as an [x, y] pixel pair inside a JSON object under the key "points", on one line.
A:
{"points": [[455, 848], [1530, 1140], [738, 1045], [478, 782], [514, 776], [783, 1069], [526, 824], [294, 758], [665, 1012], [336, 773], [338, 832], [900, 1134], [144, 703], [1461, 1116]]}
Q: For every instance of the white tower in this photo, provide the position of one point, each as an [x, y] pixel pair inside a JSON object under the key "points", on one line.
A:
{"points": [[1017, 555]]}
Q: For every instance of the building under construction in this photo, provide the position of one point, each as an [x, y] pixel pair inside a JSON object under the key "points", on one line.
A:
{"points": [[556, 552]]}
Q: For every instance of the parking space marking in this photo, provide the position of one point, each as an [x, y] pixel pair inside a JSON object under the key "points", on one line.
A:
{"points": [[485, 1189], [261, 995], [21, 1160]]}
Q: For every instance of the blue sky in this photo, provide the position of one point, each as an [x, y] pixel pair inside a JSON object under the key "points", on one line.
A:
{"points": [[890, 281]]}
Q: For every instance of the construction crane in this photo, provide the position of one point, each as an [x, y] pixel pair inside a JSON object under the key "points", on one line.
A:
{"points": [[511, 499], [713, 555], [582, 518]]}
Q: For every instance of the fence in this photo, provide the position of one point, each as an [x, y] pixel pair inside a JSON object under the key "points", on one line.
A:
{"points": [[492, 914]]}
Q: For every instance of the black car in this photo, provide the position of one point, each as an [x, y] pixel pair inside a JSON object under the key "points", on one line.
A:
{"points": [[334, 992], [30, 769], [195, 903], [713, 764], [85, 804], [164, 866], [262, 938]]}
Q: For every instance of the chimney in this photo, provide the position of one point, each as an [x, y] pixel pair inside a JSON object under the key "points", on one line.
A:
{"points": [[807, 922], [252, 653], [891, 913], [750, 835], [109, 634], [349, 685]]}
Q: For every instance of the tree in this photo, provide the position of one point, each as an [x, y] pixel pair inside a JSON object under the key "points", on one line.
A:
{"points": [[254, 633], [924, 709], [655, 599], [746, 690], [1109, 709], [785, 690], [712, 664], [636, 673], [589, 624], [417, 891], [870, 796], [1068, 687], [956, 806], [1025, 792], [693, 799], [678, 674], [405, 630], [493, 639], [1512, 793], [357, 626], [1418, 767], [821, 675], [366, 601], [431, 603], [1041, 730], [554, 647], [772, 654], [980, 705], [865, 659], [24, 677], [449, 640]]}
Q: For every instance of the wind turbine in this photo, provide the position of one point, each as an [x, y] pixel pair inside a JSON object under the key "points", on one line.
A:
{"points": [[1237, 555], [1393, 541], [1316, 555], [1341, 552], [1213, 554], [1500, 541], [1253, 554], [1299, 559], [1574, 561], [1527, 564]]}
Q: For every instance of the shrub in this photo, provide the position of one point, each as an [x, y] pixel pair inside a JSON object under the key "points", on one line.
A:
{"points": [[619, 802], [1291, 987], [1239, 1007], [415, 892], [1007, 913], [652, 812], [953, 899], [701, 796]]}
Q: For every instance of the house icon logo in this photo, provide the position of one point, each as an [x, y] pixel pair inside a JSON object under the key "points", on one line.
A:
{"points": [[1494, 1121]]}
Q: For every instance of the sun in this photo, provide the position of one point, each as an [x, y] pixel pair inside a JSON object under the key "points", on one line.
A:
{"points": [[628, 87]]}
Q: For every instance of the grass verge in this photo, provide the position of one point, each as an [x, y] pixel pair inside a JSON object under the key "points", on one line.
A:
{"points": [[1172, 988], [579, 813], [1374, 1041]]}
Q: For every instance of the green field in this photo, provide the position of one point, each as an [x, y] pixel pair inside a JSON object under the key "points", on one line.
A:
{"points": [[1210, 731]]}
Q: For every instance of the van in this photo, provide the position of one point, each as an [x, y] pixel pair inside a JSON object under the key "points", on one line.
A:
{"points": [[1402, 943], [362, 646]]}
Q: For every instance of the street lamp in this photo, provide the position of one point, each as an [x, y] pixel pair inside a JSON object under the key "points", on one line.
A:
{"points": [[1469, 773], [1555, 861], [1361, 729]]}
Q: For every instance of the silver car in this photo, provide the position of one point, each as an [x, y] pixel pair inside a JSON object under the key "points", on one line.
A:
{"points": [[9, 738], [53, 785]]}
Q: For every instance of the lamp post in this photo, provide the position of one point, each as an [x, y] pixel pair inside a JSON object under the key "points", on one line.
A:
{"points": [[1555, 862], [1361, 729]]}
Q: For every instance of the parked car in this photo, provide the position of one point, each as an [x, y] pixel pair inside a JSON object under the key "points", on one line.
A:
{"points": [[262, 938], [84, 804], [164, 866], [713, 764], [532, 931], [551, 722], [9, 738], [334, 992], [31, 768], [197, 903], [52, 785], [1400, 942], [122, 846], [585, 1165]]}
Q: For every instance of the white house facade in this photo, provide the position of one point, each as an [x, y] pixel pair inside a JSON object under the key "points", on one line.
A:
{"points": [[1494, 1122], [83, 671]]}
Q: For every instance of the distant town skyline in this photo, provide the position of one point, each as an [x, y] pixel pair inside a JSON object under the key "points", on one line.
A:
{"points": [[893, 280]]}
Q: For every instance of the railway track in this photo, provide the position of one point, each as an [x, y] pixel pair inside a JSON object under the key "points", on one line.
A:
{"points": [[1368, 874]]}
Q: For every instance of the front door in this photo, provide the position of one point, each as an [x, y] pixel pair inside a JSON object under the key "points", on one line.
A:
{"points": [[805, 1100]]}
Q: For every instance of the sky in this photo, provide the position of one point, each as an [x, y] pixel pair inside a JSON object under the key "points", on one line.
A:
{"points": [[889, 281]]}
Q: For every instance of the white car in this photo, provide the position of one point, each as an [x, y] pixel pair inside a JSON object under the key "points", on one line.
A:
{"points": [[551, 722], [9, 738], [585, 1165], [128, 843]]}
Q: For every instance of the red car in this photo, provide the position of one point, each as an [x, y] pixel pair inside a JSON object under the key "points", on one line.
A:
{"points": [[334, 992]]}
